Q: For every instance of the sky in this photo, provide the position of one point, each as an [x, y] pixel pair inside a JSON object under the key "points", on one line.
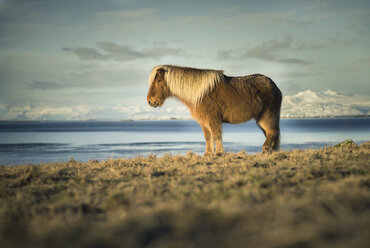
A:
{"points": [[90, 59]]}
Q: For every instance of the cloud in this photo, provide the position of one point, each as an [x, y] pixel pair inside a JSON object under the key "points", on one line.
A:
{"points": [[113, 51], [361, 63], [231, 19], [44, 85], [134, 19], [85, 53], [127, 14], [344, 42], [119, 53], [269, 50], [225, 54], [159, 52], [90, 76]]}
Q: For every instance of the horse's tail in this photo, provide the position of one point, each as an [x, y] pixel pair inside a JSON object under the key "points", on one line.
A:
{"points": [[276, 141]]}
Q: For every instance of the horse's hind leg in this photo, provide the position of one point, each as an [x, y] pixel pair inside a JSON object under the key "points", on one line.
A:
{"points": [[269, 123]]}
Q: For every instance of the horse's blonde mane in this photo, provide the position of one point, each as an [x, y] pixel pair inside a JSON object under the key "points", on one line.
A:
{"points": [[187, 83]]}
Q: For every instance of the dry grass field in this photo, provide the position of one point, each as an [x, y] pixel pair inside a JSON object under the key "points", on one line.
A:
{"points": [[310, 198]]}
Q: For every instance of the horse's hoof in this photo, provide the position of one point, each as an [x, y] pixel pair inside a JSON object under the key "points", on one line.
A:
{"points": [[266, 150]]}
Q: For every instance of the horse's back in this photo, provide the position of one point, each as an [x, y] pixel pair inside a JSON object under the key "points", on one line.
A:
{"points": [[260, 86], [258, 81], [248, 97]]}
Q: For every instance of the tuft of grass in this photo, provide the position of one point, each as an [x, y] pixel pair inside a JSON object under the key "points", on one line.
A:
{"points": [[309, 198], [346, 143]]}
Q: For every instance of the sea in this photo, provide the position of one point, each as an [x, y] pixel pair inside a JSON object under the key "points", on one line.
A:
{"points": [[36, 142]]}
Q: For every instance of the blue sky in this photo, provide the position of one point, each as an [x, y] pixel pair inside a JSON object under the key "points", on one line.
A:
{"points": [[90, 59]]}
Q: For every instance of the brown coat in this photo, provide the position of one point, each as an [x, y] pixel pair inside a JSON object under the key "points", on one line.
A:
{"points": [[232, 100]]}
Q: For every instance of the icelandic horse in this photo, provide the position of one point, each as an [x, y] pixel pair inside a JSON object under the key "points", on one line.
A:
{"points": [[214, 98]]}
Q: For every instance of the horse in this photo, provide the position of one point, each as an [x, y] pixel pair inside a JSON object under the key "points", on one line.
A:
{"points": [[214, 98]]}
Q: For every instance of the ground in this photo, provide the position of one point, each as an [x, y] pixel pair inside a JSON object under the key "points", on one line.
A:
{"points": [[308, 198]]}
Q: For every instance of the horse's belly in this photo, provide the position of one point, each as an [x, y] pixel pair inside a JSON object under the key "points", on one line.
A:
{"points": [[236, 116]]}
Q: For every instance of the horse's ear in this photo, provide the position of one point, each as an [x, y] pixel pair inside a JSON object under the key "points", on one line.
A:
{"points": [[160, 72]]}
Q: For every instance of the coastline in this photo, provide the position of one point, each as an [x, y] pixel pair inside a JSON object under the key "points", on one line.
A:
{"points": [[183, 119], [308, 197]]}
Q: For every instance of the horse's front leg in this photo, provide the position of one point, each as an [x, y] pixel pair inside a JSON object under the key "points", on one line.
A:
{"points": [[209, 141], [216, 130]]}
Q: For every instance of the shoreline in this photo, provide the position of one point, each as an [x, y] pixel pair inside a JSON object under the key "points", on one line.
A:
{"points": [[315, 198], [198, 152], [184, 119]]}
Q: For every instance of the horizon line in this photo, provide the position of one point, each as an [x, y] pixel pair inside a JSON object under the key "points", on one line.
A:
{"points": [[183, 119]]}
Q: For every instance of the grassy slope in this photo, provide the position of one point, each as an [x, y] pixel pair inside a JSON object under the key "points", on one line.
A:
{"points": [[313, 198]]}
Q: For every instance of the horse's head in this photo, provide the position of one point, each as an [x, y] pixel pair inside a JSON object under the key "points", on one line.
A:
{"points": [[158, 91]]}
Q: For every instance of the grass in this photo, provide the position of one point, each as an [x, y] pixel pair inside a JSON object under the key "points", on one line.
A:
{"points": [[310, 198]]}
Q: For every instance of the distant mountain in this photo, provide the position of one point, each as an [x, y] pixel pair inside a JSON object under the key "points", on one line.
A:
{"points": [[301, 105], [325, 104], [304, 104]]}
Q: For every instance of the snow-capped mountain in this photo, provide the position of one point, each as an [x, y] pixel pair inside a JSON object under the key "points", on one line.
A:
{"points": [[325, 104], [303, 104]]}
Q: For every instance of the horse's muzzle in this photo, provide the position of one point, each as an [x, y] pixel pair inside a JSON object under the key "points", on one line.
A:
{"points": [[153, 103]]}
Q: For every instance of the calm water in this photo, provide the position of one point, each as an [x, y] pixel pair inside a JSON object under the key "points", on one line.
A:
{"points": [[38, 142]]}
